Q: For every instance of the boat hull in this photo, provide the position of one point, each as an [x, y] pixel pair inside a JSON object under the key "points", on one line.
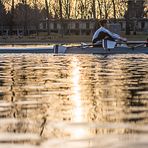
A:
{"points": [[78, 50], [117, 50], [27, 50]]}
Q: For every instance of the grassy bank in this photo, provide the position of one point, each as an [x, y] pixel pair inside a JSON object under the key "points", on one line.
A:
{"points": [[139, 37], [55, 38]]}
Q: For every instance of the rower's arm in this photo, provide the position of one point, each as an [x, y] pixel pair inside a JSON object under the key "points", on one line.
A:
{"points": [[119, 37], [115, 36]]}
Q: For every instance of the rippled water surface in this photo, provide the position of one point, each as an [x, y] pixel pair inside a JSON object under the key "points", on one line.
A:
{"points": [[73, 101]]}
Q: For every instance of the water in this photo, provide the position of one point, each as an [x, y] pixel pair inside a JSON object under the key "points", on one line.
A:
{"points": [[73, 101]]}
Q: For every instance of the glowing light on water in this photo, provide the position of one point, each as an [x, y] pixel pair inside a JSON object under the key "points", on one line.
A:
{"points": [[78, 110], [76, 97]]}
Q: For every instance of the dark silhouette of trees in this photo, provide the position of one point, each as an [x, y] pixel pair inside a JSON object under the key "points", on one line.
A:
{"points": [[36, 17], [61, 16], [94, 9], [47, 16], [114, 9], [2, 14], [12, 18], [135, 10], [26, 16]]}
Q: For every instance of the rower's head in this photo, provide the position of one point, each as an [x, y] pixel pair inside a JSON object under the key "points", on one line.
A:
{"points": [[103, 23]]}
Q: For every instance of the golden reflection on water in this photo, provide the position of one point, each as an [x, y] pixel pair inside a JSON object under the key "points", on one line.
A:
{"points": [[78, 109], [86, 101], [76, 91]]}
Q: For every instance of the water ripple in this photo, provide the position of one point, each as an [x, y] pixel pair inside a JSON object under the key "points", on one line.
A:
{"points": [[73, 101]]}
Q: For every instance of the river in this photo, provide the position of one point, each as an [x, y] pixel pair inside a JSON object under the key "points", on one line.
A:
{"points": [[73, 101]]}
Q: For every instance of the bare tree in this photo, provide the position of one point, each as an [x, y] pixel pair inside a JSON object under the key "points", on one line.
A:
{"points": [[36, 12], [47, 16], [94, 8], [11, 17], [100, 8], [114, 9], [25, 14], [121, 7], [2, 14], [108, 9], [61, 10], [61, 16], [83, 8], [76, 12], [67, 8]]}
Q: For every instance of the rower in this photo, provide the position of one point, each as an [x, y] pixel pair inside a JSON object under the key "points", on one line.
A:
{"points": [[104, 33]]}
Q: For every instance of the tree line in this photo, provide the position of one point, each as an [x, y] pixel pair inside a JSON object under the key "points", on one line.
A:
{"points": [[31, 12]]}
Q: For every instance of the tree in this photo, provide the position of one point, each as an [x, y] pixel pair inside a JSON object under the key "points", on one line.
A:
{"points": [[47, 16], [67, 9], [100, 9], [135, 10], [11, 23], [114, 9], [25, 8], [61, 10], [75, 9], [61, 16], [121, 7], [36, 20], [22, 13], [94, 8], [2, 14], [107, 8], [84, 8]]}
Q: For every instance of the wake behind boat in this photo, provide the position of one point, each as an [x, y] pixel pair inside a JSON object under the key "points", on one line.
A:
{"points": [[131, 47]]}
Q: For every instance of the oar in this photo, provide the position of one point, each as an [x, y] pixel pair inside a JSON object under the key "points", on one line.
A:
{"points": [[136, 42], [85, 45], [105, 43], [139, 45]]}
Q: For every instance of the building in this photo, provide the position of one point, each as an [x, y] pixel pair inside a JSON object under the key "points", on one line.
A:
{"points": [[78, 27], [87, 27]]}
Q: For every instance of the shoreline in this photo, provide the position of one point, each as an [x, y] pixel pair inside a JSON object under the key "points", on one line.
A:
{"points": [[30, 42], [48, 40]]}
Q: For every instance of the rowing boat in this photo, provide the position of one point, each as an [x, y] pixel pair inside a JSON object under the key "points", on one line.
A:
{"points": [[116, 50], [26, 50], [108, 47], [78, 50], [139, 47]]}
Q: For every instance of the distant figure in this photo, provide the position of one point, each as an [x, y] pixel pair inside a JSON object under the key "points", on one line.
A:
{"points": [[104, 33]]}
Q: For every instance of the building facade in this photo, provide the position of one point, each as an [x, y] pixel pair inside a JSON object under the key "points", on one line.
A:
{"points": [[87, 27], [79, 27]]}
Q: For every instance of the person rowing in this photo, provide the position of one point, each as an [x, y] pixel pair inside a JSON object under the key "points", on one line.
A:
{"points": [[104, 33]]}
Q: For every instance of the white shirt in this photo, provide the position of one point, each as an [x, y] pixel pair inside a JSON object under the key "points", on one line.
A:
{"points": [[102, 29]]}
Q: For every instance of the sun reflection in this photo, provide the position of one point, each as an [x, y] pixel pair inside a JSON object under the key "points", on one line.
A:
{"points": [[76, 91], [78, 109]]}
